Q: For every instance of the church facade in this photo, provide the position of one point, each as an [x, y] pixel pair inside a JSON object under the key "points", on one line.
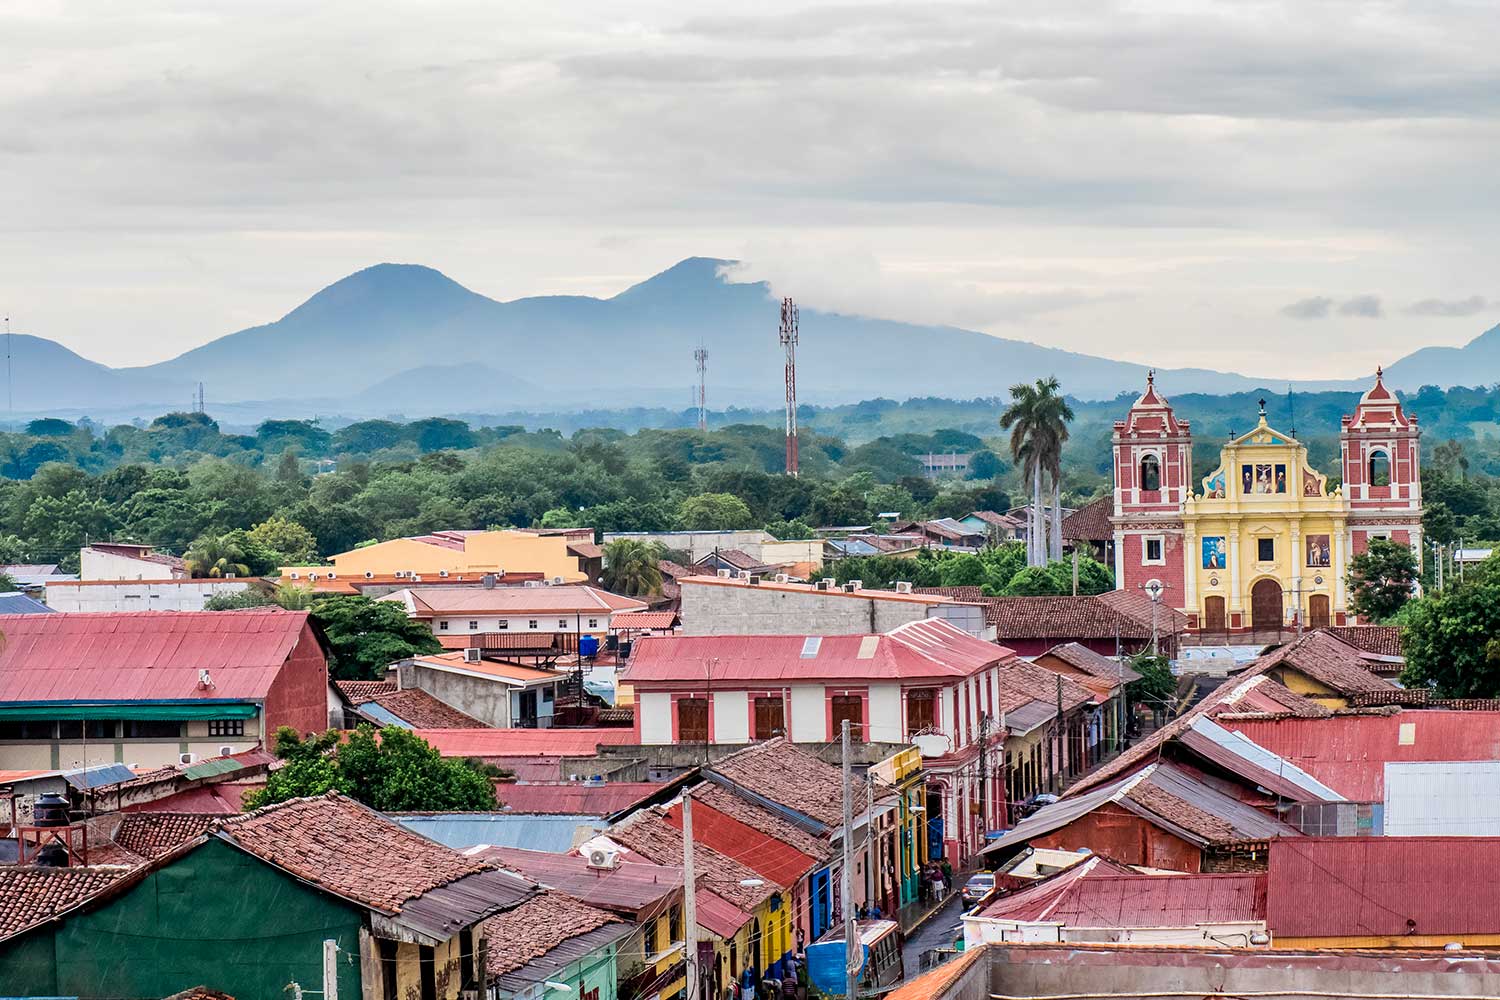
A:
{"points": [[1261, 542]]}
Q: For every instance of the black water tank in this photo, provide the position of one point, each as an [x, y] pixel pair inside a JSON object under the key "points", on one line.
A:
{"points": [[51, 809]]}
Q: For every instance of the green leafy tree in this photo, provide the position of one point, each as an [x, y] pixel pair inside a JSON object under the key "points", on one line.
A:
{"points": [[984, 464], [1037, 419], [49, 427], [238, 600], [289, 543], [1035, 581], [794, 529], [965, 570], [12, 550], [714, 512], [1381, 579], [368, 636], [216, 556], [1093, 577], [1452, 640], [393, 770], [1157, 686], [294, 598], [631, 567]]}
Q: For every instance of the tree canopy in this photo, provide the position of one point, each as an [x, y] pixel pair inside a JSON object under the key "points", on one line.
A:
{"points": [[368, 636], [392, 770], [1381, 579]]}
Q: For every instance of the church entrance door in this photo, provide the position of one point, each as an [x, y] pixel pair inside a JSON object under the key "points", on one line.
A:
{"points": [[1213, 614], [1317, 611], [1265, 605]]}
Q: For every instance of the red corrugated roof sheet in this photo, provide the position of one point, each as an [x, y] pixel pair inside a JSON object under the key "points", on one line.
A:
{"points": [[524, 742], [644, 619], [777, 862], [1348, 753], [145, 655], [1387, 886], [574, 797], [925, 649], [1101, 895]]}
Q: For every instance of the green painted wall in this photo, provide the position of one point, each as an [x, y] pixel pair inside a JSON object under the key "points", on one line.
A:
{"points": [[216, 917]]}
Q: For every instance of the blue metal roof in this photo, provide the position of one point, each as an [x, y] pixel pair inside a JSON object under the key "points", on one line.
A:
{"points": [[374, 711], [94, 777], [16, 603], [555, 834]]}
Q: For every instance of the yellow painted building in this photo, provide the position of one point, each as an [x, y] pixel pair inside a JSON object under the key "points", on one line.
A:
{"points": [[1268, 537], [557, 556]]}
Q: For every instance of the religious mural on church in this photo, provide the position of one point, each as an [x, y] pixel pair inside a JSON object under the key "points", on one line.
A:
{"points": [[1319, 550], [1216, 485], [1310, 487], [1215, 553], [1263, 477]]}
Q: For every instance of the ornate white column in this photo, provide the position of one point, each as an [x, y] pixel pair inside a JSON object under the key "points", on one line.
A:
{"points": [[1232, 566], [1190, 577], [1294, 563], [1338, 565]]}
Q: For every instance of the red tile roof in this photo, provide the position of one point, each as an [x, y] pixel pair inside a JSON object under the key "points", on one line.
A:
{"points": [[423, 711], [1090, 523], [1137, 606], [426, 602], [361, 691], [1327, 660], [576, 798], [1097, 665], [1021, 683], [29, 896], [524, 742], [1062, 618], [222, 798], [762, 820], [1382, 640], [152, 834], [643, 620], [790, 776], [526, 933], [348, 849], [1383, 886], [932, 648], [1348, 753], [145, 655]]}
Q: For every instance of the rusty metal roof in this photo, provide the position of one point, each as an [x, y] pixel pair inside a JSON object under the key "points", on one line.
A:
{"points": [[145, 655]]}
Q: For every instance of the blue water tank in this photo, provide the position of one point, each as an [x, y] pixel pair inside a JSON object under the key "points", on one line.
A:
{"points": [[588, 645]]}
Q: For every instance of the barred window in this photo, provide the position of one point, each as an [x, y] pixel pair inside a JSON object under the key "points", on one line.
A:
{"points": [[226, 727]]}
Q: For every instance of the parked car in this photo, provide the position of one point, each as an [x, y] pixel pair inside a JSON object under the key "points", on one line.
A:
{"points": [[980, 885]]}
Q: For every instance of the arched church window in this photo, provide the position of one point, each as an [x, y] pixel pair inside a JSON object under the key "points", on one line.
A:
{"points": [[1380, 468], [1150, 473]]}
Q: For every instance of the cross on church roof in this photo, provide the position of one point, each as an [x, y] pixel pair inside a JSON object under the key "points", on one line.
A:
{"points": [[1262, 406]]}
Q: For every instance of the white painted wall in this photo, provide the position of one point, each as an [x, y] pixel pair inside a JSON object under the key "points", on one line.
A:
{"points": [[731, 716], [885, 713], [592, 623], [96, 565], [809, 721], [135, 595], [655, 711]]}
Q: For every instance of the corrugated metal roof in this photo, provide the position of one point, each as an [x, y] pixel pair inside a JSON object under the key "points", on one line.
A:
{"points": [[1023, 720], [17, 603], [1098, 893], [461, 831], [932, 648], [1239, 755], [427, 601], [525, 742], [98, 776], [574, 797], [630, 887], [774, 860], [443, 911], [1387, 886], [145, 655], [1348, 752], [1442, 798], [643, 619]]}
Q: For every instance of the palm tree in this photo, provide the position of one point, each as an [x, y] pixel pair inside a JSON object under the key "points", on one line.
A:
{"points": [[1037, 419], [215, 557], [630, 567]]}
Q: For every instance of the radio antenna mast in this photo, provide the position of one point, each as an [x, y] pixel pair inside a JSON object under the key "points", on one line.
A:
{"points": [[789, 341], [701, 357], [10, 399]]}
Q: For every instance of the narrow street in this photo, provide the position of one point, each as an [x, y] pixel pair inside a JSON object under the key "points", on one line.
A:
{"points": [[939, 931]]}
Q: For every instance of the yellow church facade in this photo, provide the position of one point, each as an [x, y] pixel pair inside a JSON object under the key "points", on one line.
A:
{"points": [[1268, 536]]}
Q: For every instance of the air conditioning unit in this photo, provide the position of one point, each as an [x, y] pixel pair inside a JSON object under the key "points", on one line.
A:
{"points": [[782, 578], [186, 758], [369, 574], [725, 574], [312, 576], [226, 751], [603, 859], [400, 574], [854, 585], [295, 575], [533, 583], [471, 655], [903, 587], [744, 574], [443, 573], [558, 581], [332, 575], [827, 583]]}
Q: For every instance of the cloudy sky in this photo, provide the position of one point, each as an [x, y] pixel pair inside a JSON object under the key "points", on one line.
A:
{"points": [[1299, 189]]}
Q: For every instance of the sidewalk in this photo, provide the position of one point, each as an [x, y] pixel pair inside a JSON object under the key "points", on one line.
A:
{"points": [[913, 915]]}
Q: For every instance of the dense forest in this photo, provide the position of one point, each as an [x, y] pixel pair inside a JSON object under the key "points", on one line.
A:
{"points": [[312, 490]]}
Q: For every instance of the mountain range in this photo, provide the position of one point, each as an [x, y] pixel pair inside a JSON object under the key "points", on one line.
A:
{"points": [[406, 340]]}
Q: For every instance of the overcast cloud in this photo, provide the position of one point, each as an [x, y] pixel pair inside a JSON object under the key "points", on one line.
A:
{"points": [[1149, 180]]}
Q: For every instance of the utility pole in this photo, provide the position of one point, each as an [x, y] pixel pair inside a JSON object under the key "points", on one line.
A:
{"points": [[853, 960], [1057, 757], [1075, 570], [984, 775], [10, 399], [690, 903]]}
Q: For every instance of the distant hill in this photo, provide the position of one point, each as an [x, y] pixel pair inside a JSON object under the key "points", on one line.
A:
{"points": [[408, 339]]}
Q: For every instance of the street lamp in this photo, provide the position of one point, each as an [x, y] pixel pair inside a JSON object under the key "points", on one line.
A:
{"points": [[1154, 590]]}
